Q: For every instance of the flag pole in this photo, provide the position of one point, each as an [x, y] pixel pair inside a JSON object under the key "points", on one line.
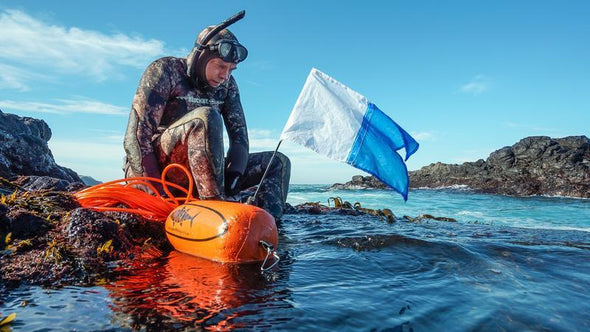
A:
{"points": [[251, 199]]}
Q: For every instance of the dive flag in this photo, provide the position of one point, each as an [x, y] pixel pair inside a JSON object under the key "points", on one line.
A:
{"points": [[337, 122]]}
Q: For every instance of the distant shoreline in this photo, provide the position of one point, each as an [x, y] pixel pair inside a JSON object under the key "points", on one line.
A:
{"points": [[534, 166]]}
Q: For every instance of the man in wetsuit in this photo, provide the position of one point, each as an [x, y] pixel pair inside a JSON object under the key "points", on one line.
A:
{"points": [[177, 116]]}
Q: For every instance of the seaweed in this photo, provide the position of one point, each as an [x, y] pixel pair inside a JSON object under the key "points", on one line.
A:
{"points": [[47, 239]]}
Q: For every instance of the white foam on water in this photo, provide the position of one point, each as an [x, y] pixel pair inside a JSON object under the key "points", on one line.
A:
{"points": [[470, 213], [558, 228], [451, 187]]}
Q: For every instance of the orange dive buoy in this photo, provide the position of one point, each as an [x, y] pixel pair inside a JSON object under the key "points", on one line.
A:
{"points": [[222, 231]]}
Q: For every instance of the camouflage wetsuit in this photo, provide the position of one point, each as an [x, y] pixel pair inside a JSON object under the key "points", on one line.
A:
{"points": [[174, 121]]}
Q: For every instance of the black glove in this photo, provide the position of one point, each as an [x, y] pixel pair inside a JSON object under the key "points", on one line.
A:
{"points": [[232, 183]]}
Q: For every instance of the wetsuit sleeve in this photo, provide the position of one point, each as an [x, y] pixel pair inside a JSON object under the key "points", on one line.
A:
{"points": [[235, 123], [146, 112]]}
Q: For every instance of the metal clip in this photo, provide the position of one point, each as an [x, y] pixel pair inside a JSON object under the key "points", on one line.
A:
{"points": [[270, 250]]}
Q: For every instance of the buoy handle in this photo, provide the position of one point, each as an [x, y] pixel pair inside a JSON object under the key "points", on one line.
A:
{"points": [[270, 250]]}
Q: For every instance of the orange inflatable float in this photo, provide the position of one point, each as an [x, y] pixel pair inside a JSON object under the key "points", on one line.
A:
{"points": [[222, 231], [216, 230]]}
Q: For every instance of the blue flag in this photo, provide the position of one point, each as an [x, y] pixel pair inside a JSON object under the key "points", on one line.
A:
{"points": [[335, 121]]}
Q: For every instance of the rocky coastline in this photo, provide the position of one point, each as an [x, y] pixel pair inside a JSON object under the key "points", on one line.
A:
{"points": [[47, 239], [537, 165]]}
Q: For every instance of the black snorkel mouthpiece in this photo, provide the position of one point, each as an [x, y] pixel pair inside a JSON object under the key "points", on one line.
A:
{"points": [[200, 47]]}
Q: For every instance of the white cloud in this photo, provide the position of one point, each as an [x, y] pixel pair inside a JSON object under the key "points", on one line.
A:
{"points": [[108, 135], [101, 160], [478, 85], [42, 47], [310, 167], [114, 138], [262, 133], [16, 78], [65, 106], [82, 150], [262, 139], [423, 136]]}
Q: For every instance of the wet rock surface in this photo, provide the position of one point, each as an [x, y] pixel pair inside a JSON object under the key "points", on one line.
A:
{"points": [[534, 166], [34, 182], [47, 239]]}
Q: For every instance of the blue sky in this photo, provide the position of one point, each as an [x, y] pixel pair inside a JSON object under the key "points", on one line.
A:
{"points": [[463, 77]]}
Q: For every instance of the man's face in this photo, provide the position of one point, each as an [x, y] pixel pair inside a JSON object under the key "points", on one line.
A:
{"points": [[218, 71]]}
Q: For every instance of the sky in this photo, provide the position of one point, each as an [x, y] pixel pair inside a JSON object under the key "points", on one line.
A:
{"points": [[464, 78]]}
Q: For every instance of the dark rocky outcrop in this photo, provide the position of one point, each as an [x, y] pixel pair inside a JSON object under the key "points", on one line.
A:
{"points": [[24, 150], [89, 181], [47, 239], [536, 165], [34, 182], [360, 182]]}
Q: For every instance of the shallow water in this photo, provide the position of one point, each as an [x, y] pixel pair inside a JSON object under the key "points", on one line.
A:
{"points": [[507, 264]]}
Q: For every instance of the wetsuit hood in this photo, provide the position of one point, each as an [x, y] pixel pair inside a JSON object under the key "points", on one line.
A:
{"points": [[196, 66]]}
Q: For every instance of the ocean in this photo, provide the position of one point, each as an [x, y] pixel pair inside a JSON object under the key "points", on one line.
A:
{"points": [[506, 264]]}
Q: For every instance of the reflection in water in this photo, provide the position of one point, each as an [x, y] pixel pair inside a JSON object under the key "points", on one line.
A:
{"points": [[182, 291]]}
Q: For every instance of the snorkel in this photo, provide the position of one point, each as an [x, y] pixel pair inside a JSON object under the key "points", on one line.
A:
{"points": [[191, 70]]}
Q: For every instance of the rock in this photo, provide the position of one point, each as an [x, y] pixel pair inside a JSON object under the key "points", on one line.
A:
{"points": [[24, 149], [33, 182], [4, 221], [24, 224], [53, 242], [360, 182], [536, 165], [45, 237], [89, 181], [289, 209], [87, 230]]}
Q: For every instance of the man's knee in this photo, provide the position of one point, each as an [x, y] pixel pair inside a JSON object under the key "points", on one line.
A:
{"points": [[284, 162], [203, 128], [209, 117], [200, 118]]}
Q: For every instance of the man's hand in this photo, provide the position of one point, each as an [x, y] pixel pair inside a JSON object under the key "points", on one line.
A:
{"points": [[232, 181]]}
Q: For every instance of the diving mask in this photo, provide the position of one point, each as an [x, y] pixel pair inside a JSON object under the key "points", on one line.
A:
{"points": [[229, 50]]}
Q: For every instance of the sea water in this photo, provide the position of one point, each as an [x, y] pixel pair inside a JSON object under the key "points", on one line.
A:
{"points": [[507, 263]]}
